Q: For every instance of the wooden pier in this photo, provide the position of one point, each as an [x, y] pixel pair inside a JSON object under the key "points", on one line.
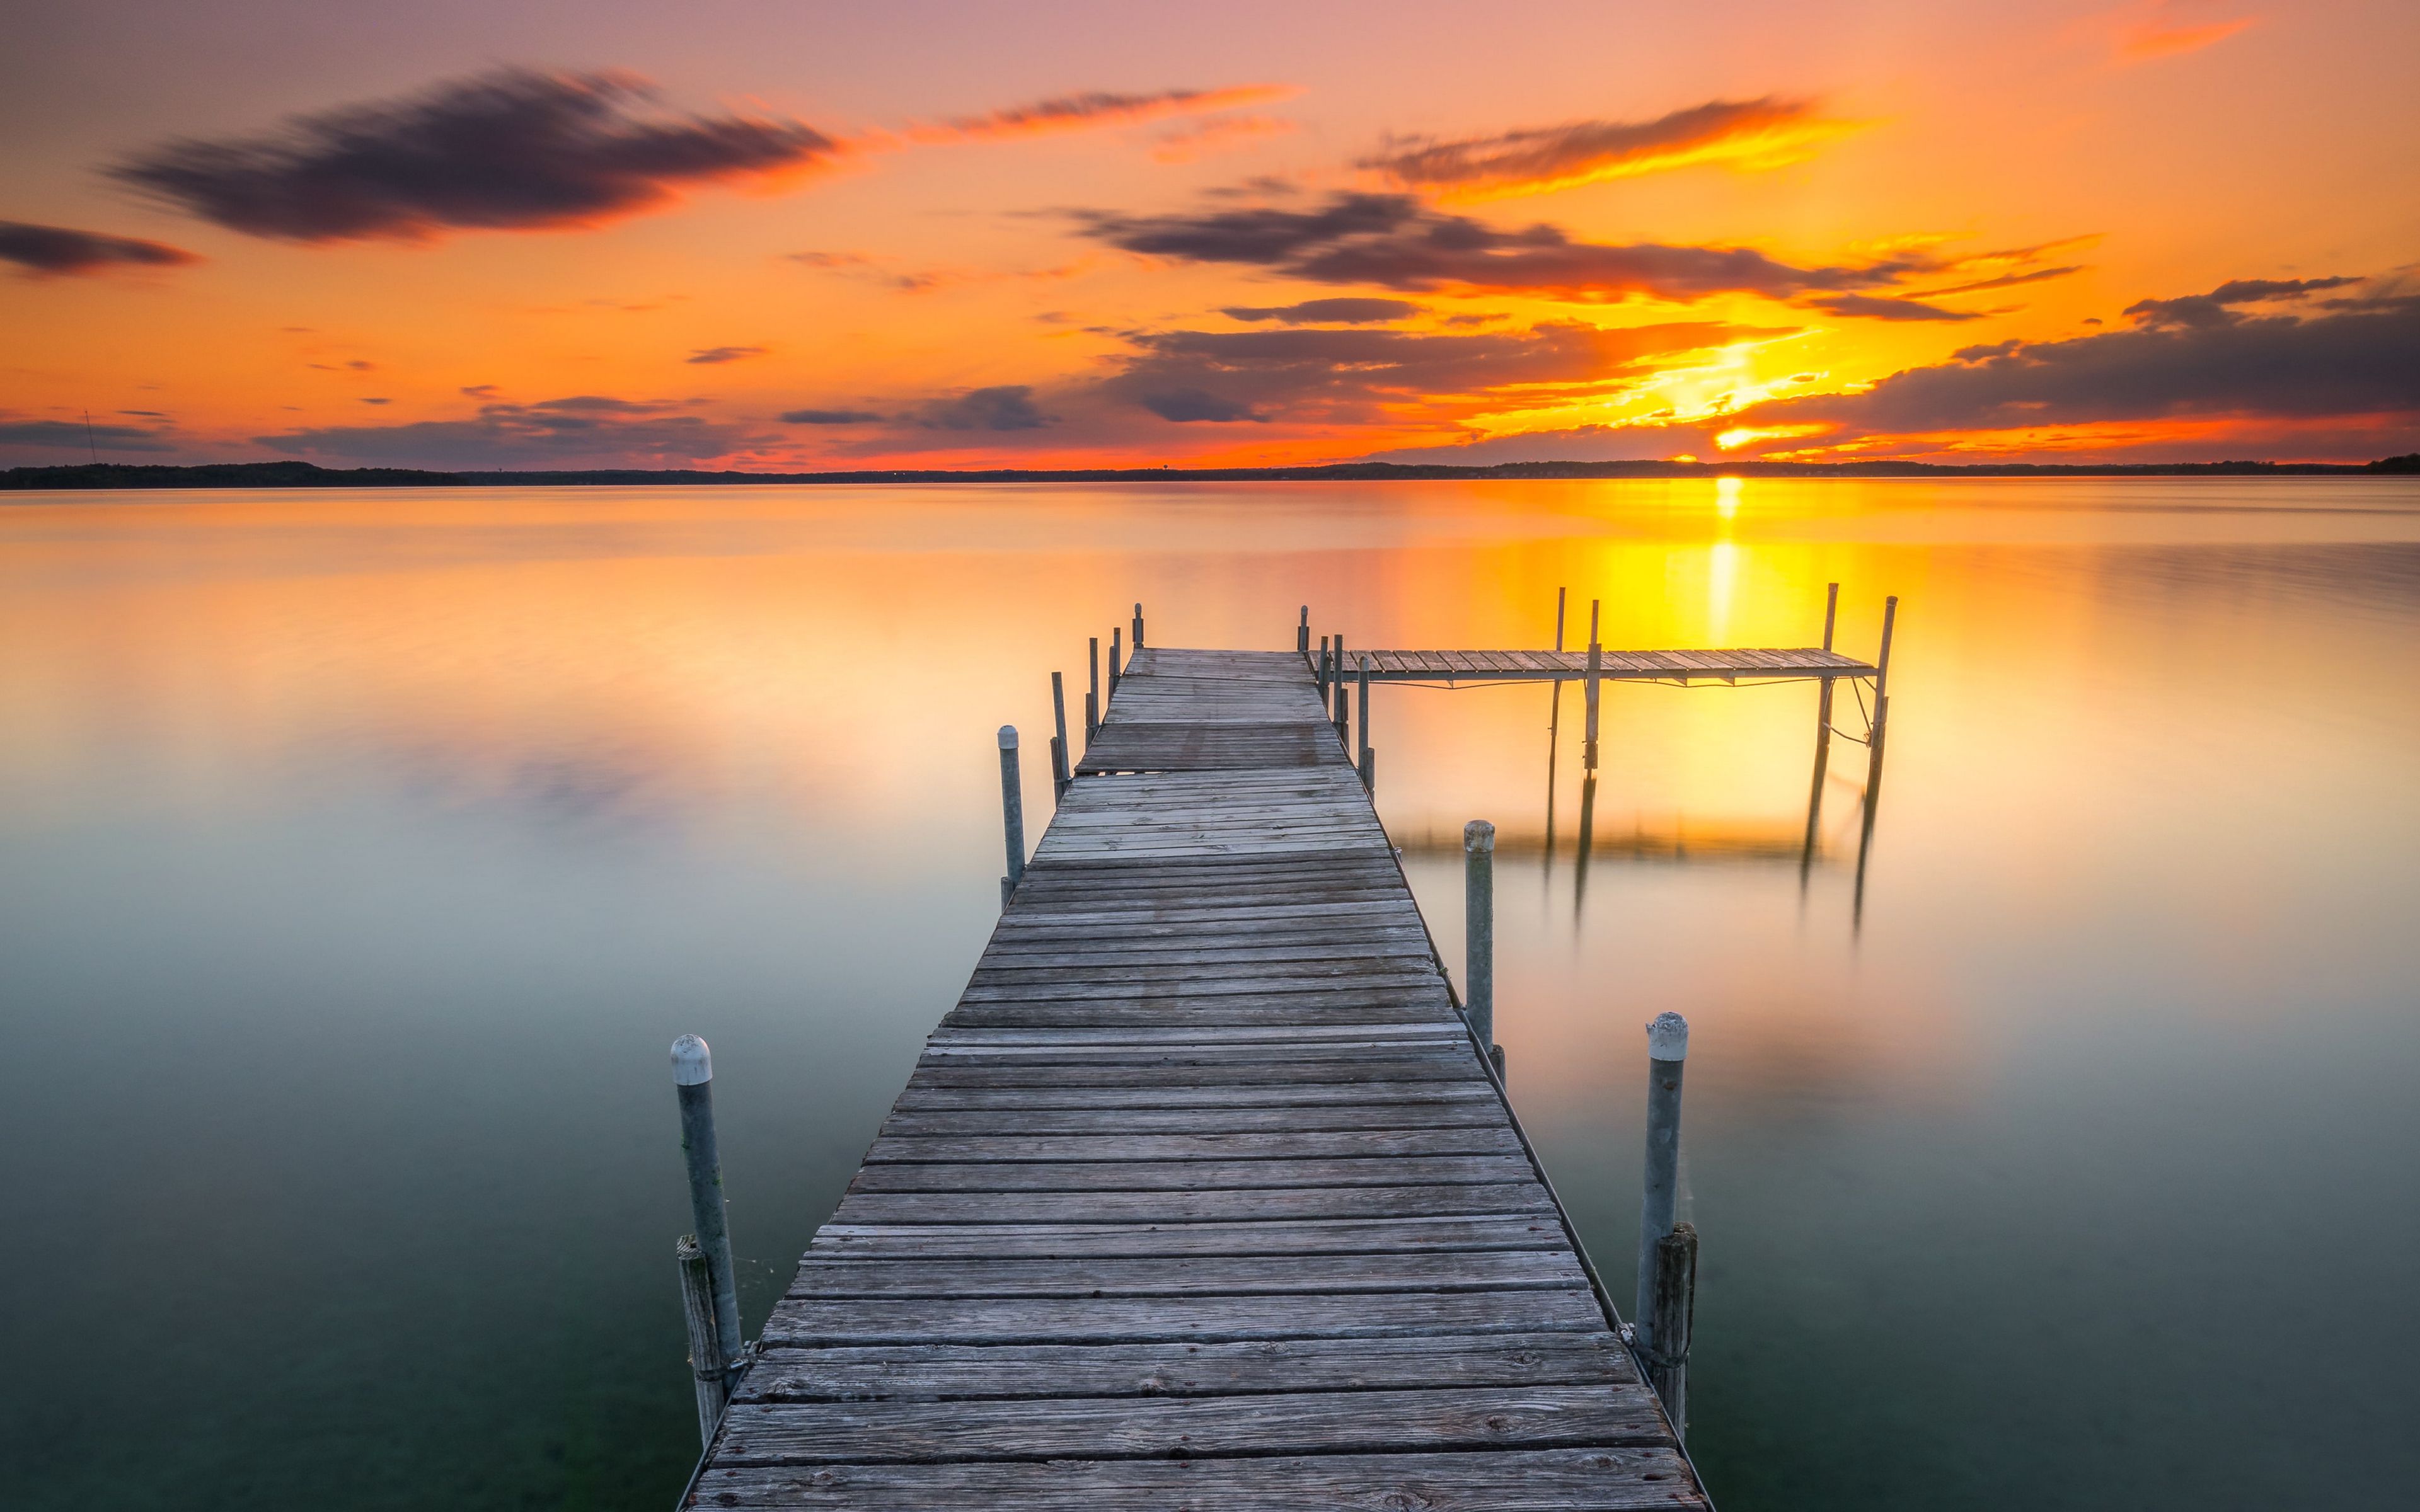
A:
{"points": [[1728, 665], [1203, 1196]]}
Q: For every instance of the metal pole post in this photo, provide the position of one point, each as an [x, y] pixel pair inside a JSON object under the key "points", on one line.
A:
{"points": [[693, 1081], [1479, 931], [1093, 693], [1137, 627], [1369, 765], [1060, 775], [1667, 1047], [1595, 664], [1012, 812], [704, 1348], [1302, 632], [1676, 1307]]}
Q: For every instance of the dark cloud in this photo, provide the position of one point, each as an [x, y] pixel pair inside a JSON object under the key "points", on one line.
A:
{"points": [[724, 354], [581, 431], [1548, 156], [1396, 242], [1349, 312], [509, 149], [829, 417], [2362, 359], [1004, 407], [59, 250], [2216, 308], [80, 439], [1358, 376], [1096, 107], [1868, 306]]}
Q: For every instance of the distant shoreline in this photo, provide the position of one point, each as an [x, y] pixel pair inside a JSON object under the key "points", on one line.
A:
{"points": [[112, 475]]}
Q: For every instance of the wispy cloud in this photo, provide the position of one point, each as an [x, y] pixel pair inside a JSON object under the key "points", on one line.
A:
{"points": [[1744, 134], [1090, 109], [1350, 312], [579, 430], [513, 150], [1220, 133], [711, 355], [2167, 29], [59, 250]]}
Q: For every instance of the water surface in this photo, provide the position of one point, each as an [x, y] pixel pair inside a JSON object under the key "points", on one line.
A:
{"points": [[359, 853]]}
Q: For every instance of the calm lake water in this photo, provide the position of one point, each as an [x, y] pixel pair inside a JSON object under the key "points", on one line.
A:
{"points": [[361, 852]]}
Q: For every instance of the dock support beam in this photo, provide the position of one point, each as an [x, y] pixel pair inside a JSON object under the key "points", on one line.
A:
{"points": [[1060, 775], [1092, 696], [1478, 933], [1595, 665], [693, 1081], [1667, 1048], [1675, 1310], [1369, 757], [1012, 812], [705, 1340], [1822, 741]]}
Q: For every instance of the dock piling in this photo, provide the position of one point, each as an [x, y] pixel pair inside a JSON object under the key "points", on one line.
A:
{"points": [[1478, 933], [1667, 1048], [1302, 632], [705, 1344], [1115, 659], [1092, 692], [1060, 775], [693, 1083], [1675, 1310], [1881, 729], [1137, 627], [1368, 759], [1823, 740], [1321, 681], [1596, 666], [1011, 812], [1343, 709]]}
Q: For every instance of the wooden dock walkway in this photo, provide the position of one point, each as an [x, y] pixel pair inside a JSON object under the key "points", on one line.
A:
{"points": [[1201, 1196], [1728, 665]]}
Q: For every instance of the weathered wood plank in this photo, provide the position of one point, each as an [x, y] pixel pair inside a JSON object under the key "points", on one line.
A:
{"points": [[945, 1372], [800, 1323], [1179, 1275], [1265, 1204], [1077, 1242], [1589, 1480]]}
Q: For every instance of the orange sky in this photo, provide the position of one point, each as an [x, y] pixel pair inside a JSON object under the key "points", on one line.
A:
{"points": [[796, 237]]}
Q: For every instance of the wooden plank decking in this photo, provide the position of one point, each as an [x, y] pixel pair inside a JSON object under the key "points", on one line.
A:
{"points": [[1201, 1197], [1728, 665]]}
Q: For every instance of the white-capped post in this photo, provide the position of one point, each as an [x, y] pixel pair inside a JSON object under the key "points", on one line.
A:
{"points": [[1478, 933], [1011, 812], [693, 1081], [1369, 757], [1667, 1047]]}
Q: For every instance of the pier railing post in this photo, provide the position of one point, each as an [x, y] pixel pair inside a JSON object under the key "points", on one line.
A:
{"points": [[1326, 670], [1137, 627], [1093, 694], [1667, 1048], [1060, 775], [1369, 758], [1675, 1310], [1822, 741], [1302, 632], [694, 1082], [1115, 659], [1012, 812], [1881, 730], [1595, 665], [1343, 709], [706, 1368], [1479, 934]]}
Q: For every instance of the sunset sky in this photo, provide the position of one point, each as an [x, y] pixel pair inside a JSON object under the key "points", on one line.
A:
{"points": [[790, 236]]}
